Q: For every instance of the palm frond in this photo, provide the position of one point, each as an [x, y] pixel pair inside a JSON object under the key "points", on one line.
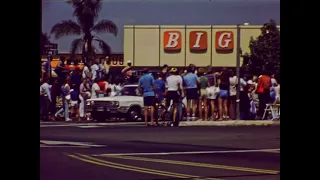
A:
{"points": [[65, 28], [76, 45], [72, 2], [86, 7], [44, 38], [106, 26], [97, 6], [106, 49]]}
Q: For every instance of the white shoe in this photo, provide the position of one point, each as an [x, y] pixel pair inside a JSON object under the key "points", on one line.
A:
{"points": [[68, 119]]}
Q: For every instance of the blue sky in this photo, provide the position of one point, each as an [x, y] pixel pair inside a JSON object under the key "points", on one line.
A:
{"points": [[163, 12]]}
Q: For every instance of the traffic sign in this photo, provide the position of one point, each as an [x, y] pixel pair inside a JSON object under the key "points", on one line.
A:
{"points": [[51, 46]]}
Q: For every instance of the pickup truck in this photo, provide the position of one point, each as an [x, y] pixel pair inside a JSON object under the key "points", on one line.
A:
{"points": [[128, 103]]}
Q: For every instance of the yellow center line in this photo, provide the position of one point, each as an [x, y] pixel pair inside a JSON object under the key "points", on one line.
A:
{"points": [[100, 162], [213, 166]]}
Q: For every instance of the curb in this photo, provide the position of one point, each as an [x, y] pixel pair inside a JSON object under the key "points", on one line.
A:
{"points": [[231, 123]]}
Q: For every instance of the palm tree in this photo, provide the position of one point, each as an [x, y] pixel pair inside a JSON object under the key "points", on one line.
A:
{"points": [[86, 12], [44, 39]]}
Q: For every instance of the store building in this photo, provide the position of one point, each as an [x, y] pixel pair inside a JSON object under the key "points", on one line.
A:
{"points": [[154, 46]]}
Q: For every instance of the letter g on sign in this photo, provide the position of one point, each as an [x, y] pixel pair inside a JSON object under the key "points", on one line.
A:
{"points": [[224, 40]]}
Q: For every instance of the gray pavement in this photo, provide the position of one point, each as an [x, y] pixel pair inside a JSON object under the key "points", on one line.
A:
{"points": [[131, 151]]}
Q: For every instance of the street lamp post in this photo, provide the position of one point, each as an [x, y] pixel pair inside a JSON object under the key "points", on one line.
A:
{"points": [[238, 71]]}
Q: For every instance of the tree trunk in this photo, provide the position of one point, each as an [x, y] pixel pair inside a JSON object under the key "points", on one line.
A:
{"points": [[89, 53], [84, 54]]}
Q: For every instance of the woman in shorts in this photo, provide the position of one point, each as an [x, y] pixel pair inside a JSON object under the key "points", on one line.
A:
{"points": [[204, 83], [224, 85], [213, 92]]}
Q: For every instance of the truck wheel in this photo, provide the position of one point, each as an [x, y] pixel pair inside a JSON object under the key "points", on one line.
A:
{"points": [[133, 114]]}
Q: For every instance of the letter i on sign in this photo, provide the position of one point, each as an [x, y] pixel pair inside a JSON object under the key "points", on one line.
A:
{"points": [[198, 40], [172, 40]]}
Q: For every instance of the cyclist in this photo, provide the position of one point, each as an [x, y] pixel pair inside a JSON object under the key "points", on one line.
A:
{"points": [[174, 82]]}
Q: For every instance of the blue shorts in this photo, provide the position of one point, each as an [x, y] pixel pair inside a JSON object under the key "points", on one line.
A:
{"points": [[224, 94]]}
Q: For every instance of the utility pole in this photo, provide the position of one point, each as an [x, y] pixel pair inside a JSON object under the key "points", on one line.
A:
{"points": [[40, 34], [238, 71]]}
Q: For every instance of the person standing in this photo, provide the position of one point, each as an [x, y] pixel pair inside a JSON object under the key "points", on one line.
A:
{"points": [[204, 84], [165, 71], [55, 92], [148, 88], [95, 89], [101, 71], [244, 98], [191, 82], [174, 82], [74, 94], [127, 72], [274, 84], [106, 64], [233, 95], [224, 85], [65, 92], [85, 70], [161, 87], [85, 94], [45, 97], [94, 70], [75, 78], [263, 90], [213, 90]]}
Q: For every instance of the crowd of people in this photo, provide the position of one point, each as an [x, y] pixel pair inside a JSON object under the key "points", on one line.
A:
{"points": [[74, 83], [210, 93]]}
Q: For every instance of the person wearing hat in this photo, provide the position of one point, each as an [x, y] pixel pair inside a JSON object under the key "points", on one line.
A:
{"points": [[174, 82], [148, 89]]}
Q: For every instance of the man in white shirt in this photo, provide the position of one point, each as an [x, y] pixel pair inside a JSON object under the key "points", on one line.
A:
{"points": [[95, 90], [85, 70], [45, 97], [94, 69], [101, 70], [174, 82]]}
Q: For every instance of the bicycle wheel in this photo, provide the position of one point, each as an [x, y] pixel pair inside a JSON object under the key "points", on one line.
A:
{"points": [[160, 113]]}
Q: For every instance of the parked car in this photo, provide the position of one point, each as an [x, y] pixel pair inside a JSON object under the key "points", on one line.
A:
{"points": [[128, 103]]}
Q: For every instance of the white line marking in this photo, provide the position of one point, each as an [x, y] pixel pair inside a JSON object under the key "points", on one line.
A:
{"points": [[48, 146], [191, 152], [48, 142], [90, 124]]}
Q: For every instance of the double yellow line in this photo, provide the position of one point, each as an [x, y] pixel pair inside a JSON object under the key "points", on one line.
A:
{"points": [[213, 166], [100, 162]]}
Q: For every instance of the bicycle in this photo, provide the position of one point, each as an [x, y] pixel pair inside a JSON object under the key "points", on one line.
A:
{"points": [[166, 113]]}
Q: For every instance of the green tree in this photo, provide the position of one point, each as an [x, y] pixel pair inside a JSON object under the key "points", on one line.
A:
{"points": [[264, 50], [86, 26]]}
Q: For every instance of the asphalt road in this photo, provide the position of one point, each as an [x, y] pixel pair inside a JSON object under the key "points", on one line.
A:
{"points": [[133, 152]]}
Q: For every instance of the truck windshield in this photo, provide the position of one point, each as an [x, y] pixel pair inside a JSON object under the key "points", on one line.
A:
{"points": [[129, 91]]}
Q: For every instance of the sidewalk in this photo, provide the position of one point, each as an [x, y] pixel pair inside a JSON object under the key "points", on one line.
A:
{"points": [[231, 123]]}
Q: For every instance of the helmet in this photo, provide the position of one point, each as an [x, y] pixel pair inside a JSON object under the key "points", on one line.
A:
{"points": [[173, 70]]}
